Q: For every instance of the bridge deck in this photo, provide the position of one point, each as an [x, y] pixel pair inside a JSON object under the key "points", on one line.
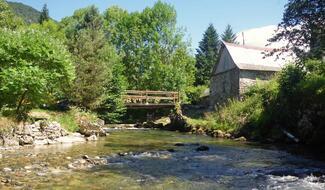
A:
{"points": [[136, 99]]}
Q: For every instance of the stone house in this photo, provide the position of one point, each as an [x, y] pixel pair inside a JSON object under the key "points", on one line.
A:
{"points": [[238, 68]]}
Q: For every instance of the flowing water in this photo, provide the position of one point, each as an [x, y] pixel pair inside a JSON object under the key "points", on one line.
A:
{"points": [[149, 159]]}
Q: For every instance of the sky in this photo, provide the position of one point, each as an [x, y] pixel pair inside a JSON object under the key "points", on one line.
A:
{"points": [[192, 15]]}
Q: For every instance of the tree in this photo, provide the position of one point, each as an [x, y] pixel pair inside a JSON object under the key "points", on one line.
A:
{"points": [[154, 54], [228, 35], [99, 83], [303, 26], [112, 108], [7, 18], [44, 16], [207, 55], [35, 69], [88, 45]]}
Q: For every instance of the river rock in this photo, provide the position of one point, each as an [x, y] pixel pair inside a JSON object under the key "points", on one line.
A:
{"points": [[227, 135], [179, 144], [202, 148], [240, 139], [91, 138], [86, 157], [28, 167], [171, 150], [178, 123], [6, 170], [26, 140], [218, 133], [88, 128], [86, 162]]}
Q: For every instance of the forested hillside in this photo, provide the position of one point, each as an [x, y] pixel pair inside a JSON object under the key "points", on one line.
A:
{"points": [[27, 13]]}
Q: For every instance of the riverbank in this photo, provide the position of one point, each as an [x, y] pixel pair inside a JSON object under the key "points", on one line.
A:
{"points": [[45, 127], [190, 124], [179, 122]]}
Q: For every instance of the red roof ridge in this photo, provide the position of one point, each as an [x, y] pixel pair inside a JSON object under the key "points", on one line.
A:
{"points": [[249, 47]]}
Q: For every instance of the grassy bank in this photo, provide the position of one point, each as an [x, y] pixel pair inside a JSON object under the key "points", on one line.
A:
{"points": [[69, 119]]}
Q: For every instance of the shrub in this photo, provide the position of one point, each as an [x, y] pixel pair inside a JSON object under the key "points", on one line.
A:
{"points": [[195, 93], [35, 69]]}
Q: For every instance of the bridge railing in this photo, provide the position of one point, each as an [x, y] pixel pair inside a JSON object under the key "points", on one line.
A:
{"points": [[150, 98]]}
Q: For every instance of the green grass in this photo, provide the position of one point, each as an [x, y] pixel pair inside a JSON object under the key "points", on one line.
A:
{"points": [[69, 120], [235, 115]]}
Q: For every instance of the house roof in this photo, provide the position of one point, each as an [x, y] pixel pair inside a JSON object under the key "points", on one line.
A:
{"points": [[254, 58]]}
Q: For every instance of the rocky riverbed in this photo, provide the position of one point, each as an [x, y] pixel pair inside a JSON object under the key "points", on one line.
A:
{"points": [[154, 159]]}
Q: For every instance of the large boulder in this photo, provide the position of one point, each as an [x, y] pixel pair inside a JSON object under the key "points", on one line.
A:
{"points": [[89, 128], [178, 123], [26, 140]]}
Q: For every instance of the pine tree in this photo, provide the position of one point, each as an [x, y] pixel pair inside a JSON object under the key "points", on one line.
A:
{"points": [[207, 55], [228, 35], [44, 16]]}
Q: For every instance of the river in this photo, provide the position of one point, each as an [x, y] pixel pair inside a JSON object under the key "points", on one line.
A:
{"points": [[153, 159]]}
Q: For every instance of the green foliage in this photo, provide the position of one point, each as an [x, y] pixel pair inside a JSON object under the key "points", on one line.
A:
{"points": [[69, 119], [195, 93], [154, 55], [44, 16], [92, 55], [207, 56], [113, 109], [51, 28], [35, 69], [303, 25], [100, 80], [27, 13], [228, 35], [7, 18]]}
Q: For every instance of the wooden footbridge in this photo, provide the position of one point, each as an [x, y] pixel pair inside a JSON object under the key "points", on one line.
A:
{"points": [[136, 99]]}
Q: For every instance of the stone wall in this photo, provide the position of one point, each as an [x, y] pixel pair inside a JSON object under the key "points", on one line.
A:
{"points": [[233, 83], [248, 78], [223, 86]]}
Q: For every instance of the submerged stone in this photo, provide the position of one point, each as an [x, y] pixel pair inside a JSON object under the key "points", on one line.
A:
{"points": [[202, 148], [179, 144]]}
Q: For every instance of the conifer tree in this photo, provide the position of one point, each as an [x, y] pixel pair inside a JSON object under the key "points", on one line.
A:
{"points": [[207, 55], [44, 16], [228, 35]]}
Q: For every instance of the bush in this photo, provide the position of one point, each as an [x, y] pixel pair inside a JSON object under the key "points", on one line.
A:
{"points": [[35, 69], [195, 93]]}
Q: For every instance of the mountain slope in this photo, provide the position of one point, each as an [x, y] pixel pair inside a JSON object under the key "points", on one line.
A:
{"points": [[28, 13]]}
